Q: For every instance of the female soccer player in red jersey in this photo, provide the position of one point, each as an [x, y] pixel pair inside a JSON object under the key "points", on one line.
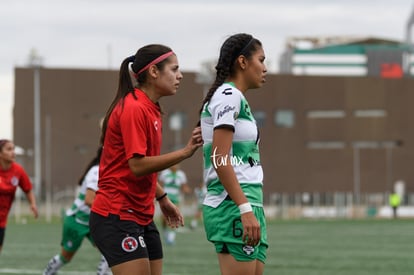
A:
{"points": [[121, 220], [12, 175]]}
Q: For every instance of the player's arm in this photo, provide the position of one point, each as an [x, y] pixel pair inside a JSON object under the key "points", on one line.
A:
{"points": [[222, 142], [160, 182], [171, 212], [185, 188], [89, 196], [144, 165], [159, 191], [32, 201]]}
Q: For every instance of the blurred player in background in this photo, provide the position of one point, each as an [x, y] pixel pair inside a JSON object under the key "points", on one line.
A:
{"points": [[174, 182], [12, 175], [199, 192], [395, 202], [76, 221]]}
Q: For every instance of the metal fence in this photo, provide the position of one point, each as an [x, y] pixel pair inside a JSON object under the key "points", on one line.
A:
{"points": [[336, 205], [280, 206]]}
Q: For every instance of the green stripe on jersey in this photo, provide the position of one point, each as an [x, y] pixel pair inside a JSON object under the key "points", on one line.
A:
{"points": [[253, 192]]}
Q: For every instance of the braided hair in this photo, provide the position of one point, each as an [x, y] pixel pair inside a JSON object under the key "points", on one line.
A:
{"points": [[234, 46]]}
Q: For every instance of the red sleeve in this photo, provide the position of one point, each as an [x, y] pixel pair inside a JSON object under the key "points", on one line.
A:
{"points": [[134, 129], [24, 181]]}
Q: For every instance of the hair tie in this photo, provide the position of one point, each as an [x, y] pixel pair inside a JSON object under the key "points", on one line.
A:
{"points": [[156, 61], [131, 70]]}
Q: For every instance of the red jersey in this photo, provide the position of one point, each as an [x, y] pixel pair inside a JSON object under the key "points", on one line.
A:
{"points": [[9, 180], [134, 128]]}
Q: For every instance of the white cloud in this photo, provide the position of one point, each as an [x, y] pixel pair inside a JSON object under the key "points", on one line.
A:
{"points": [[101, 33]]}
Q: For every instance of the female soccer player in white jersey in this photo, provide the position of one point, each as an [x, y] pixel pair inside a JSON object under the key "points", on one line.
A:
{"points": [[233, 207], [76, 221], [174, 181]]}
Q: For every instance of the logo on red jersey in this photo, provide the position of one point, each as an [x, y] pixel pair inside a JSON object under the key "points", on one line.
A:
{"points": [[14, 181], [129, 244]]}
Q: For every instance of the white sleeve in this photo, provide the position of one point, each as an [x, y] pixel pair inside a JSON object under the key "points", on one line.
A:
{"points": [[225, 107], [162, 175], [92, 177], [182, 177]]}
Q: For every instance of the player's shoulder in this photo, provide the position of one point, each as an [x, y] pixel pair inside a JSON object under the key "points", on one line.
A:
{"points": [[181, 172], [131, 101], [225, 93], [94, 170], [165, 172], [227, 90], [17, 167]]}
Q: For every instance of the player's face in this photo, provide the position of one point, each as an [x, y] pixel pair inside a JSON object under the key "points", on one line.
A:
{"points": [[256, 69], [170, 77], [7, 153]]}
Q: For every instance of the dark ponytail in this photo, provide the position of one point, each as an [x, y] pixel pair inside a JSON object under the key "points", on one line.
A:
{"points": [[232, 48], [125, 87]]}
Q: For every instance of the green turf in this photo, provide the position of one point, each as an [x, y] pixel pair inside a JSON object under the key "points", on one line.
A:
{"points": [[297, 247]]}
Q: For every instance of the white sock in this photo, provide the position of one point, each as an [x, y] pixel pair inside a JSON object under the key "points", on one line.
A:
{"points": [[103, 267], [171, 236], [53, 265]]}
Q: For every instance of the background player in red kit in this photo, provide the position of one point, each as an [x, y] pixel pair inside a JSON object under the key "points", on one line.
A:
{"points": [[121, 220], [12, 175]]}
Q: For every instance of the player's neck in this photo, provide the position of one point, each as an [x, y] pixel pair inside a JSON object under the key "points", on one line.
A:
{"points": [[5, 165]]}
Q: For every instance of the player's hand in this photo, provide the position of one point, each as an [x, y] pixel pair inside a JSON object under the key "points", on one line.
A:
{"points": [[251, 229], [172, 213], [195, 142], [33, 207]]}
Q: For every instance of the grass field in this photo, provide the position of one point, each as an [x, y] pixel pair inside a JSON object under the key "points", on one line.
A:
{"points": [[297, 247]]}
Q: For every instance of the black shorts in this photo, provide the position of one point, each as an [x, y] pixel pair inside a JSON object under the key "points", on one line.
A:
{"points": [[122, 241], [2, 231]]}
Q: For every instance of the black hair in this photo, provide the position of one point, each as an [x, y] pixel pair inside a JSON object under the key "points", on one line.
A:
{"points": [[93, 162], [143, 57], [234, 46]]}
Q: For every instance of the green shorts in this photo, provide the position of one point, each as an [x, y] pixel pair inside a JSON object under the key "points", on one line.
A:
{"points": [[74, 233], [224, 229]]}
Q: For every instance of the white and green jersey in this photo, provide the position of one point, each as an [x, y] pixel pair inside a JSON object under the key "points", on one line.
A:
{"points": [[228, 108], [79, 208], [200, 193], [172, 182]]}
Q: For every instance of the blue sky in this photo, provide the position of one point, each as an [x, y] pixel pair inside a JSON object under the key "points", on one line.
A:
{"points": [[100, 33]]}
